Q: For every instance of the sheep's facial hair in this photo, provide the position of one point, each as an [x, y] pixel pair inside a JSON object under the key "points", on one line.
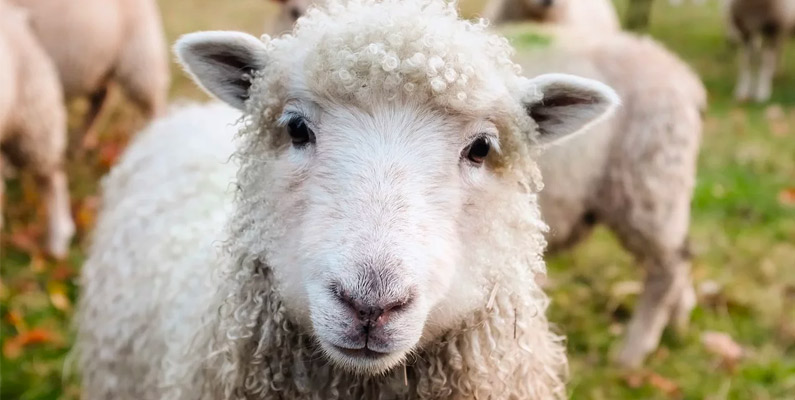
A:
{"points": [[503, 347]]}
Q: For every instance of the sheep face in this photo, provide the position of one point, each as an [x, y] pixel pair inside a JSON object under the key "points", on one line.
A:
{"points": [[381, 189], [371, 215]]}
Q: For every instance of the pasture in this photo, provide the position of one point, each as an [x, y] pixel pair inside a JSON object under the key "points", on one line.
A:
{"points": [[742, 236]]}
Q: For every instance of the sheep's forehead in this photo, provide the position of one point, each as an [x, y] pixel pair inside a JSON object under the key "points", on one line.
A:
{"points": [[417, 48]]}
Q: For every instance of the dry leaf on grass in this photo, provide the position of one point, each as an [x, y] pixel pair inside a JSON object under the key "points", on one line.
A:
{"points": [[25, 240], [86, 213], [663, 384], [58, 297], [722, 345], [12, 348], [109, 152], [787, 197], [639, 378]]}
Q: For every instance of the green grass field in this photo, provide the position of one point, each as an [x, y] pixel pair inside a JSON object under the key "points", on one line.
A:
{"points": [[743, 235]]}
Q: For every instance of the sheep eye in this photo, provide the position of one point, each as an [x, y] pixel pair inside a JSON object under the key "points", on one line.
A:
{"points": [[478, 150], [300, 134]]}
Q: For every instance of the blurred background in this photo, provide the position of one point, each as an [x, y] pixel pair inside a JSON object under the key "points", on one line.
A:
{"points": [[741, 344]]}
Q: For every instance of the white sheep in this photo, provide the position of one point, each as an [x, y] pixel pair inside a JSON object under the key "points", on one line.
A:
{"points": [[590, 15], [761, 27], [384, 238], [635, 172], [33, 121], [96, 42]]}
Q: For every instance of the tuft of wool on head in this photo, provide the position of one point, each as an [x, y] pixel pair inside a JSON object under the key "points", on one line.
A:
{"points": [[355, 51]]}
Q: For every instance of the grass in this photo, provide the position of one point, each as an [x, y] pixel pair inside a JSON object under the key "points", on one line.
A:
{"points": [[743, 235]]}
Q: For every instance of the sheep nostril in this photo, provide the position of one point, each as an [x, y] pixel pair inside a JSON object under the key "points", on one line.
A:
{"points": [[370, 313]]}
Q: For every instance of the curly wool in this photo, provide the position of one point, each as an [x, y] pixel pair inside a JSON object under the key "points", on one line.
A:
{"points": [[506, 350]]}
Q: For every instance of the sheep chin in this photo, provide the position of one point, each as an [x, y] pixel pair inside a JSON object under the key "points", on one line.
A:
{"points": [[365, 364]]}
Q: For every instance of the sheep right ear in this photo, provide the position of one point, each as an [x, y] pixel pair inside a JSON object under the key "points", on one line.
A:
{"points": [[563, 104], [222, 62]]}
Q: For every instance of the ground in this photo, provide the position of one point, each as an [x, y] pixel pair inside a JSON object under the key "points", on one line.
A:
{"points": [[743, 236]]}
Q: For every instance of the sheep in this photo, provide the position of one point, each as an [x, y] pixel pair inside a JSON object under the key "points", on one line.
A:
{"points": [[33, 122], [96, 42], [289, 12], [590, 15], [381, 239], [635, 172], [761, 27]]}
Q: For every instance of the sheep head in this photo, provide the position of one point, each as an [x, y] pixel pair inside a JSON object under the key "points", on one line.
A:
{"points": [[378, 135], [543, 10]]}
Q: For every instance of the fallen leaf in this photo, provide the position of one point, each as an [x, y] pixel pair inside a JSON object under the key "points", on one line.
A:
{"points": [[787, 196], [86, 213], [37, 263], [722, 345], [635, 379], [24, 240], [63, 272], [12, 348], [109, 152], [663, 384], [58, 297], [14, 317]]}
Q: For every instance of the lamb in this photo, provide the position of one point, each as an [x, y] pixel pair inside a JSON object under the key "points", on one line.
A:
{"points": [[33, 121], [382, 235], [590, 15], [96, 42], [762, 28], [635, 172]]}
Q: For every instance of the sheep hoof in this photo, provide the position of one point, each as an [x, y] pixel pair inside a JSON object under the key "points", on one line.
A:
{"points": [[630, 359], [680, 315], [60, 238]]}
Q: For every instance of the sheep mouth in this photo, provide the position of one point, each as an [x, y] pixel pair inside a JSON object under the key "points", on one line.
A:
{"points": [[363, 352]]}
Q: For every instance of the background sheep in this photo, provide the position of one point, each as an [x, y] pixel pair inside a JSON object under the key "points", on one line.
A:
{"points": [[591, 15], [635, 172], [289, 12], [762, 28], [96, 42], [33, 121], [377, 247]]}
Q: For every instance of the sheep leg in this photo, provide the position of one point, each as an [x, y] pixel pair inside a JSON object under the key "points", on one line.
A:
{"points": [[2, 192], [680, 315], [97, 105], [767, 69], [61, 228], [667, 287], [742, 91]]}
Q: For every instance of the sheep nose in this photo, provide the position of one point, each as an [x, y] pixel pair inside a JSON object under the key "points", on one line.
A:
{"points": [[372, 313]]}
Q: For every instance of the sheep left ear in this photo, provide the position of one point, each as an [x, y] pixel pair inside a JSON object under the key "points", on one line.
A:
{"points": [[563, 104], [222, 63]]}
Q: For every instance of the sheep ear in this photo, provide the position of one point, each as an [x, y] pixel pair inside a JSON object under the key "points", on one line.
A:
{"points": [[563, 104], [222, 63]]}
